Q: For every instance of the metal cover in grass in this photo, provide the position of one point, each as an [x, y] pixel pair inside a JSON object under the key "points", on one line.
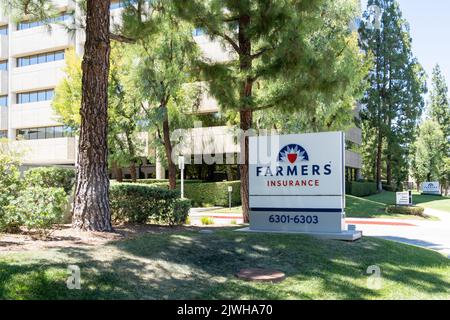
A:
{"points": [[261, 275]]}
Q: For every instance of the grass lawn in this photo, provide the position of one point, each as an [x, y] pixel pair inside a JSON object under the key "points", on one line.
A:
{"points": [[372, 206], [426, 201], [185, 264]]}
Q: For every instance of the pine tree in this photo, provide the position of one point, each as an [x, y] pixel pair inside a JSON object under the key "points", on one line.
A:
{"points": [[428, 158], [439, 111], [393, 102], [165, 52], [285, 55], [439, 108]]}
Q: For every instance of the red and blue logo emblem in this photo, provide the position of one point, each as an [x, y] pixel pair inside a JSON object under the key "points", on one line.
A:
{"points": [[293, 153]]}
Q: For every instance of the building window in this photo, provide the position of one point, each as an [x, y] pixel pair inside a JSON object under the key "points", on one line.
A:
{"points": [[35, 96], [4, 30], [33, 24], [40, 58], [4, 65], [44, 133], [120, 4], [3, 101], [3, 134]]}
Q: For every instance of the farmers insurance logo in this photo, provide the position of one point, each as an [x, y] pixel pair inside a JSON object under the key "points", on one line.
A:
{"points": [[293, 153], [293, 169]]}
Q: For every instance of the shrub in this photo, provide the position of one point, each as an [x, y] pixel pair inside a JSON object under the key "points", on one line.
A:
{"points": [[178, 213], [160, 181], [140, 203], [206, 221], [50, 177], [40, 208], [415, 211], [360, 189], [204, 193], [10, 186], [210, 193]]}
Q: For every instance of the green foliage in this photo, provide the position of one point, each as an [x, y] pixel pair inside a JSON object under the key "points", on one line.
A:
{"points": [[140, 203], [439, 111], [415, 211], [161, 181], [439, 108], [50, 177], [37, 201], [210, 193], [428, 160], [295, 54], [67, 100], [360, 189], [10, 186], [123, 108], [206, 221], [393, 102], [39, 207], [160, 69]]}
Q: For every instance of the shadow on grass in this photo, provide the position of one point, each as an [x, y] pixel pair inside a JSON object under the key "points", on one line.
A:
{"points": [[190, 265]]}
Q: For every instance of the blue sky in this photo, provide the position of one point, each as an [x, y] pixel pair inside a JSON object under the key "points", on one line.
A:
{"points": [[430, 30]]}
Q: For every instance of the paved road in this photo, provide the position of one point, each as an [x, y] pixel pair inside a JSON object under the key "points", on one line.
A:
{"points": [[433, 235]]}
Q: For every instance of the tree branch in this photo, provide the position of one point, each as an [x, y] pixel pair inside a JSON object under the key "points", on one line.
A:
{"points": [[231, 42], [260, 53], [121, 38]]}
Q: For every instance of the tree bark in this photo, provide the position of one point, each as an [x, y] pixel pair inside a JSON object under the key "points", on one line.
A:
{"points": [[378, 161], [132, 153], [246, 122], [168, 148], [246, 113], [388, 168], [117, 172], [91, 203], [132, 168]]}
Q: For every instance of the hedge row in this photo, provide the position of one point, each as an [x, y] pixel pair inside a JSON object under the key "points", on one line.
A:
{"points": [[160, 181], [142, 203], [360, 189], [50, 177], [415, 211], [206, 194]]}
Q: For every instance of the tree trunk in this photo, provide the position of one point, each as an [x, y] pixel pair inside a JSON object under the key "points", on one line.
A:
{"points": [[378, 160], [388, 168], [229, 172], [91, 203], [132, 168], [246, 122], [132, 153], [246, 114], [117, 172], [168, 148]]}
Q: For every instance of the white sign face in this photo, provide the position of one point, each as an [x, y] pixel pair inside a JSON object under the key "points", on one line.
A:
{"points": [[403, 199], [296, 182], [431, 188]]}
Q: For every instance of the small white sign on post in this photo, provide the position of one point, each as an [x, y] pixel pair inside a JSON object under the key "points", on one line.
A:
{"points": [[431, 188], [181, 167], [230, 190], [404, 198]]}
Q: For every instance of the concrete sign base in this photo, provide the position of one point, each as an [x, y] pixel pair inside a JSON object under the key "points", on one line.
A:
{"points": [[348, 235]]}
